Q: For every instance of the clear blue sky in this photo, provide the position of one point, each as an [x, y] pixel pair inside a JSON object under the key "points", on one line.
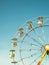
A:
{"points": [[13, 13]]}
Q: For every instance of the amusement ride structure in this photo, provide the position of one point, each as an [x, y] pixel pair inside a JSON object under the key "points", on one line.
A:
{"points": [[33, 43]]}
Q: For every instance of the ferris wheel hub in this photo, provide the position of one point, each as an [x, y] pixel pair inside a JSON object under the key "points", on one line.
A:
{"points": [[46, 47]]}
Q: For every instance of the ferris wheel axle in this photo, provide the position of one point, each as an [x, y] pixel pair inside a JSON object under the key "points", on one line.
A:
{"points": [[46, 51]]}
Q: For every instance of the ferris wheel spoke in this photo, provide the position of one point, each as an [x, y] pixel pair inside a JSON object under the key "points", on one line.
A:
{"points": [[30, 50], [42, 42], [27, 57], [21, 57], [34, 40], [35, 60], [46, 19], [32, 55], [25, 50], [31, 44], [43, 34]]}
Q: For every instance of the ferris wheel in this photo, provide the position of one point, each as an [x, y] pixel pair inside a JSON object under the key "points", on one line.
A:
{"points": [[33, 42]]}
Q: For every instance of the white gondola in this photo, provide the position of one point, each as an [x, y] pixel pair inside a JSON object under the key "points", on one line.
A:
{"points": [[11, 55], [29, 25], [40, 23], [14, 44], [40, 20], [20, 32]]}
